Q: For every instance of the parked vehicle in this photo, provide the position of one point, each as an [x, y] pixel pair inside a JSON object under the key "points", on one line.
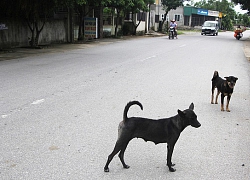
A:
{"points": [[210, 27]]}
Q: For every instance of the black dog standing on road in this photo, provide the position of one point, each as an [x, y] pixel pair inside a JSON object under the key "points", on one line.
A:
{"points": [[165, 130], [225, 87]]}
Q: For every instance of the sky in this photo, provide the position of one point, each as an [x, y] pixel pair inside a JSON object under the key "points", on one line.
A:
{"points": [[237, 9]]}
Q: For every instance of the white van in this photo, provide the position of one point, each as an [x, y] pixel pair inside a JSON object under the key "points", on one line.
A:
{"points": [[210, 27]]}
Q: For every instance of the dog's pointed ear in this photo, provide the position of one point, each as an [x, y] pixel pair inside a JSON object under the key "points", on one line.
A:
{"points": [[181, 113], [191, 107], [236, 78], [226, 78]]}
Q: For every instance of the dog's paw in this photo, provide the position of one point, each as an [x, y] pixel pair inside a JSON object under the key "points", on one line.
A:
{"points": [[106, 169], [126, 167], [228, 110], [172, 169]]}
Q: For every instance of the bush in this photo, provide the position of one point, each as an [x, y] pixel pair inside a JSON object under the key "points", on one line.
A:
{"points": [[106, 34], [140, 33]]}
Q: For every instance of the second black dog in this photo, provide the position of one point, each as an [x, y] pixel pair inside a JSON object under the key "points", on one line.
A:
{"points": [[225, 87], [165, 130]]}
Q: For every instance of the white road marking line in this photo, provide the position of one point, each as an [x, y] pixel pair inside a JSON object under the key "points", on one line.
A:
{"points": [[39, 101], [5, 116], [183, 45], [148, 58]]}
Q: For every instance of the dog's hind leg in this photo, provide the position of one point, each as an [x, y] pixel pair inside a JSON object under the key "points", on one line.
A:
{"points": [[110, 157], [169, 158], [121, 155], [216, 98], [121, 146]]}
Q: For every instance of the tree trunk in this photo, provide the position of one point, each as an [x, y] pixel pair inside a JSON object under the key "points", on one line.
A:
{"points": [[36, 39], [99, 15], [80, 29], [38, 32], [117, 22], [135, 25], [31, 26], [164, 19]]}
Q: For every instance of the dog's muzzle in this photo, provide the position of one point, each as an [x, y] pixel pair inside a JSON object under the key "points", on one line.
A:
{"points": [[196, 124], [231, 84]]}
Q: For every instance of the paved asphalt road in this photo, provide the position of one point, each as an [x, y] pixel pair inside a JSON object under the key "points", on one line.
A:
{"points": [[59, 112]]}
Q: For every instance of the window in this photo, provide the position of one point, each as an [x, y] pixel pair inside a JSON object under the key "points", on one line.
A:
{"points": [[141, 16], [156, 18], [177, 17]]}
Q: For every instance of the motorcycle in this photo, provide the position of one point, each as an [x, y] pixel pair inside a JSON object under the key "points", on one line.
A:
{"points": [[171, 33], [238, 34]]}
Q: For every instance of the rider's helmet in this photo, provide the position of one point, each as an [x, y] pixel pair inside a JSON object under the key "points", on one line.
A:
{"points": [[173, 20]]}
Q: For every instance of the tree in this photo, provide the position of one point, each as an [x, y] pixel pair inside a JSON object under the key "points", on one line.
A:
{"points": [[245, 4], [246, 20], [227, 23], [138, 6], [119, 6], [36, 13], [78, 6], [167, 6], [243, 19], [123, 7]]}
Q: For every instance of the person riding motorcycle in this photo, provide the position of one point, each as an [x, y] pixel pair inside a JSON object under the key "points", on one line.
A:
{"points": [[174, 25], [237, 31]]}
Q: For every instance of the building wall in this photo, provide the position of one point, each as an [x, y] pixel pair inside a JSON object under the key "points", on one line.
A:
{"points": [[177, 15], [18, 34], [142, 26], [157, 14]]}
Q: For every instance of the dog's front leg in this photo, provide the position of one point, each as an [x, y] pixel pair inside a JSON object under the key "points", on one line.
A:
{"points": [[222, 102], [227, 105], [212, 97], [169, 158]]}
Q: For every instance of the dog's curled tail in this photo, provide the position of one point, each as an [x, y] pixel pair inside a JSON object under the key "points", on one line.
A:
{"points": [[125, 113], [216, 74]]}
